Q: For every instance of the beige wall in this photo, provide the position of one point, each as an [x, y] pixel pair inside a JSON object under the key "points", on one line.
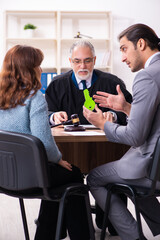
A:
{"points": [[124, 12]]}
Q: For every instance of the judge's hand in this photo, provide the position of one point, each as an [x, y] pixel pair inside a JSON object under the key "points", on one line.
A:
{"points": [[65, 164], [60, 117], [115, 102], [96, 118], [108, 116]]}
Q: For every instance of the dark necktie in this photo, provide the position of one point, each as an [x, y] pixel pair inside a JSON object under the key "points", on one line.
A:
{"points": [[84, 84]]}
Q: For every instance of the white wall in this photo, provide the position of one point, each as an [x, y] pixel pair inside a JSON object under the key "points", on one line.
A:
{"points": [[124, 12]]}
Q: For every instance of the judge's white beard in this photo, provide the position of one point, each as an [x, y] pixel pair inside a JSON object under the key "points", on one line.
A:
{"points": [[83, 77]]}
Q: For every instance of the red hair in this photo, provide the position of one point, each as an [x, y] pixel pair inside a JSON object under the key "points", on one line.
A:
{"points": [[20, 74]]}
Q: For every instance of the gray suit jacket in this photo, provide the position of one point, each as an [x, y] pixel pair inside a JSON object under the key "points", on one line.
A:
{"points": [[143, 126]]}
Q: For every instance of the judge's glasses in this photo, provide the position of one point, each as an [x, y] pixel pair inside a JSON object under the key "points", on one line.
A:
{"points": [[77, 61]]}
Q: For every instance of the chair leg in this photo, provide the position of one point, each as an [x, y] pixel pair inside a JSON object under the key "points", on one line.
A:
{"points": [[105, 218], [60, 217], [23, 213], [138, 217], [61, 212], [89, 216]]}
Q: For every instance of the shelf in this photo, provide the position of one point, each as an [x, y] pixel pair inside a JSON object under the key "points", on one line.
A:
{"points": [[86, 23], [55, 34], [44, 21], [30, 39]]}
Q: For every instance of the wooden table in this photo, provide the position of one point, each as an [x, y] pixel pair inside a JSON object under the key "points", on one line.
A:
{"points": [[87, 152]]}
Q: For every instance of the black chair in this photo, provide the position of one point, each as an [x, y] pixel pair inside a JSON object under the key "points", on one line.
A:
{"points": [[135, 192], [24, 175]]}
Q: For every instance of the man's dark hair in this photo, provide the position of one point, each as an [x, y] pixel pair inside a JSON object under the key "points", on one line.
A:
{"points": [[137, 31]]}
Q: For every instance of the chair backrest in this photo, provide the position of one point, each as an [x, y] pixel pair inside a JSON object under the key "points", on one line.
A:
{"points": [[155, 168], [23, 162]]}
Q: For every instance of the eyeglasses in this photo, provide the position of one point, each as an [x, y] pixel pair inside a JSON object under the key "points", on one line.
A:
{"points": [[77, 61]]}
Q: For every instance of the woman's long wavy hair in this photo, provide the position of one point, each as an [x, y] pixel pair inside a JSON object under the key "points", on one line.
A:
{"points": [[20, 75]]}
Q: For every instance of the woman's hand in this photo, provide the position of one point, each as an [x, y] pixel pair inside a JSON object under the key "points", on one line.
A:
{"points": [[65, 164]]}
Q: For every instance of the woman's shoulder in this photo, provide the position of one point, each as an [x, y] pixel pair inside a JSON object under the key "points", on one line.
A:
{"points": [[37, 99]]}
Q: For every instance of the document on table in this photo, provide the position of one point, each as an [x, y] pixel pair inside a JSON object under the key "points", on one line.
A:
{"points": [[86, 126], [85, 133], [89, 126]]}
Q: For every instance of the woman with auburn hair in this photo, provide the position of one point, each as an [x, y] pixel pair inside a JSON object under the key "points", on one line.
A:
{"points": [[23, 109]]}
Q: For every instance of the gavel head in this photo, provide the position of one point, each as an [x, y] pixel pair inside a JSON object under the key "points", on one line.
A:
{"points": [[75, 120], [76, 124]]}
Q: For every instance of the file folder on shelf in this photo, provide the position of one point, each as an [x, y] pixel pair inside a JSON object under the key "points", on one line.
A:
{"points": [[46, 79]]}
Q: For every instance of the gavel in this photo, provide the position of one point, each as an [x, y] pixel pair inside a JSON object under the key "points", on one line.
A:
{"points": [[75, 121]]}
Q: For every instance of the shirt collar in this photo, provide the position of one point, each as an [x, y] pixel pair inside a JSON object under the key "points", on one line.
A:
{"points": [[80, 86], [88, 81], [150, 59]]}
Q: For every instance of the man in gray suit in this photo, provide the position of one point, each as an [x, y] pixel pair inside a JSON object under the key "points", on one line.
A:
{"points": [[140, 48]]}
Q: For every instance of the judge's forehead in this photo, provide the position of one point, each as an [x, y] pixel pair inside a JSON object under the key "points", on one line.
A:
{"points": [[82, 51]]}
